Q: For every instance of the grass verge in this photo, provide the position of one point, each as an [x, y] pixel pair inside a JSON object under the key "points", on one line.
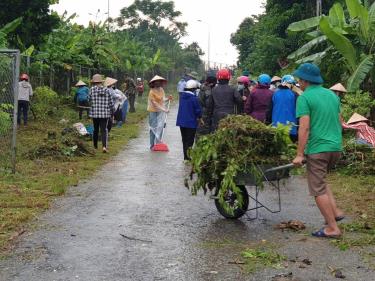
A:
{"points": [[24, 195], [356, 196]]}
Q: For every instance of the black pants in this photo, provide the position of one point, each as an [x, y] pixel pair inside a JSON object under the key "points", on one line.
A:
{"points": [[188, 136], [101, 123], [23, 108], [131, 103], [83, 103], [109, 125]]}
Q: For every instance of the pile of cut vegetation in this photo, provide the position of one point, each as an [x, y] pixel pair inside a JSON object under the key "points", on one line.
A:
{"points": [[68, 143], [240, 145]]}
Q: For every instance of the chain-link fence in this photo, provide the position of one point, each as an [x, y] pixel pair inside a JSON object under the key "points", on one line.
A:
{"points": [[9, 73], [61, 78]]}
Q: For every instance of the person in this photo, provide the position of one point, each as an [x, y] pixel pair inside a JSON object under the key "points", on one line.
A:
{"points": [[101, 110], [81, 98], [319, 141], [140, 87], [275, 82], [118, 99], [25, 92], [260, 98], [364, 133], [282, 108], [204, 127], [339, 90], [129, 88], [246, 73], [188, 116], [243, 83], [181, 84], [156, 108], [223, 99]]}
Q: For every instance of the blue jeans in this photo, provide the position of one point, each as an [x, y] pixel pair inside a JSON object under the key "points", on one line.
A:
{"points": [[125, 110], [155, 121]]}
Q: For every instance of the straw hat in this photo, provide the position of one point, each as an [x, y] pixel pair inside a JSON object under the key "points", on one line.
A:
{"points": [[356, 118], [193, 75], [157, 78], [109, 81], [275, 78], [97, 78], [80, 83], [338, 88]]}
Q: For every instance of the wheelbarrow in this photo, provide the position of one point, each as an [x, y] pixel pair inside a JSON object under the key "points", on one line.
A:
{"points": [[234, 209]]}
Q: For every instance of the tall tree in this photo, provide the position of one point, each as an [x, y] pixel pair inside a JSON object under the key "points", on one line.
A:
{"points": [[37, 21]]}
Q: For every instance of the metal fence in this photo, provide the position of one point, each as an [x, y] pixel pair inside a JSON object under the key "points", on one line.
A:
{"points": [[61, 78], [9, 74]]}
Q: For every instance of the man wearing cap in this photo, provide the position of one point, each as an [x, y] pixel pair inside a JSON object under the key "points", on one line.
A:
{"points": [[81, 98], [25, 92], [101, 110], [364, 133], [319, 141]]}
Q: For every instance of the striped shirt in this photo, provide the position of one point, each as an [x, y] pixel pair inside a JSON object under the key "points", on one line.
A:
{"points": [[364, 131]]}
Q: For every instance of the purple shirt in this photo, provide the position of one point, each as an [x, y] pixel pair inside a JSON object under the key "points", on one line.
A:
{"points": [[258, 102]]}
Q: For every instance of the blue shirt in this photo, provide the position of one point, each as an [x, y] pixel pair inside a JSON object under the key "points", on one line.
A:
{"points": [[189, 110], [284, 109], [82, 94]]}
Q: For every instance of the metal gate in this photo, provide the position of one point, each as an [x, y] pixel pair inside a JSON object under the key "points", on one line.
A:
{"points": [[9, 76]]}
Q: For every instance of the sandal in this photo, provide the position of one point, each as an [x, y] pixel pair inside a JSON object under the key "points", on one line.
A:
{"points": [[321, 234], [339, 218]]}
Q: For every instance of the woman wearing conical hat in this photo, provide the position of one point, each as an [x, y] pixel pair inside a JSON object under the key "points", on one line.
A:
{"points": [[156, 108], [339, 90], [364, 133], [81, 98]]}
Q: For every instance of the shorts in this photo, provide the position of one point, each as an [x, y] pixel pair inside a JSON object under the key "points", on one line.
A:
{"points": [[318, 166]]}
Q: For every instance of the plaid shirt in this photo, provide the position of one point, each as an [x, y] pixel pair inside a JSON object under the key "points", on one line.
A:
{"points": [[102, 105]]}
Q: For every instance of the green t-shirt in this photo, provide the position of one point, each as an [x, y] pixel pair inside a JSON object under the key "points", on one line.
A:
{"points": [[323, 107]]}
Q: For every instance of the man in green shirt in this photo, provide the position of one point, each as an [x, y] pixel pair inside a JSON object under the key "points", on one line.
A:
{"points": [[319, 141]]}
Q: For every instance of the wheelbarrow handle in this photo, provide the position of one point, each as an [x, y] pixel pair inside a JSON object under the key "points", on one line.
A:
{"points": [[283, 167]]}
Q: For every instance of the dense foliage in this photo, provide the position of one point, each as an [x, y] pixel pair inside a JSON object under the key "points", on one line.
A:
{"points": [[137, 42], [262, 40], [240, 145]]}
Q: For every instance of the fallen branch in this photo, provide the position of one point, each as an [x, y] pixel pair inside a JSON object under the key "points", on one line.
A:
{"points": [[135, 239]]}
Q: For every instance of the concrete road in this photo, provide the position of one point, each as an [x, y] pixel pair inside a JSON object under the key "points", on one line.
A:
{"points": [[135, 220]]}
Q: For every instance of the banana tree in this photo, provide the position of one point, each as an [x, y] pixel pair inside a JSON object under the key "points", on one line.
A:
{"points": [[353, 38]]}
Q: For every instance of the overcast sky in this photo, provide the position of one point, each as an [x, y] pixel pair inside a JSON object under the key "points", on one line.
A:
{"points": [[223, 18]]}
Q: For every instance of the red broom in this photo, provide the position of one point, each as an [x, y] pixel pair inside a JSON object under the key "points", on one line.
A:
{"points": [[162, 147]]}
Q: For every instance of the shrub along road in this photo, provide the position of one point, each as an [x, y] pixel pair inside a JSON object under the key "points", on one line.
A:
{"points": [[135, 220]]}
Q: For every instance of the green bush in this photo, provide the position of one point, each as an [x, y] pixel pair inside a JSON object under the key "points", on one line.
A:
{"points": [[359, 102], [5, 118], [45, 102]]}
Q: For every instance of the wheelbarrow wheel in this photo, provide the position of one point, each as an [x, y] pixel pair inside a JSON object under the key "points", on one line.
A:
{"points": [[235, 209]]}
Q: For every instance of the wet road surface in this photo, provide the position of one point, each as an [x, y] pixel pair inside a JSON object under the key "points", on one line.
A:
{"points": [[135, 220]]}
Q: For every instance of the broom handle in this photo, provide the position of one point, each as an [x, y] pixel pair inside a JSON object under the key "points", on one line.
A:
{"points": [[165, 122]]}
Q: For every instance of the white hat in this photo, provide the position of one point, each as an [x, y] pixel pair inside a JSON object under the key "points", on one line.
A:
{"points": [[157, 78], [357, 118], [97, 78], [109, 81], [192, 84], [139, 79], [80, 83], [338, 88]]}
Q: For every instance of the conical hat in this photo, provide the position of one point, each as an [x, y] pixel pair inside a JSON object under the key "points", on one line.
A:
{"points": [[80, 83], [109, 81], [338, 88], [157, 78], [275, 78], [97, 78], [356, 118]]}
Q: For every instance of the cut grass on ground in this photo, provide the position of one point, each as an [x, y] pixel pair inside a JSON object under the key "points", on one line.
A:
{"points": [[26, 194]]}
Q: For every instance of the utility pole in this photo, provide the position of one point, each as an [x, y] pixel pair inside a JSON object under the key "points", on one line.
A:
{"points": [[108, 16]]}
